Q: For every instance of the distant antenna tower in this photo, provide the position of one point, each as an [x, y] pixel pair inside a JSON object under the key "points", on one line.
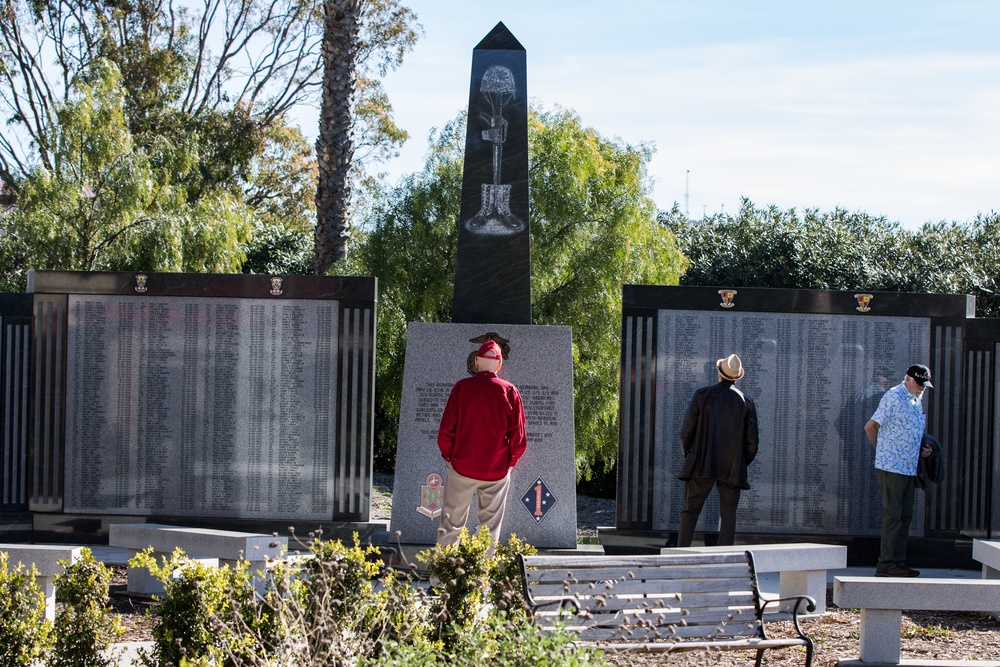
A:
{"points": [[687, 180]]}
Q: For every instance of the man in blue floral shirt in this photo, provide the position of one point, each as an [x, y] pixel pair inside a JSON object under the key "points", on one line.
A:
{"points": [[895, 430]]}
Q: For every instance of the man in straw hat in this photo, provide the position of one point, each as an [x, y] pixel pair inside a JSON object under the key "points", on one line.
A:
{"points": [[481, 439], [896, 431], [719, 440]]}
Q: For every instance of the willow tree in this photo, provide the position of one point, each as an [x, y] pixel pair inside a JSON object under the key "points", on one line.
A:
{"points": [[208, 88], [108, 204]]}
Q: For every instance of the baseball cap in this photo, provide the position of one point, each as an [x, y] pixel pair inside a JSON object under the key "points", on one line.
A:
{"points": [[489, 350], [921, 374]]}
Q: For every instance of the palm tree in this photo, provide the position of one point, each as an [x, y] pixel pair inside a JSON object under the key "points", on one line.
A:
{"points": [[335, 145]]}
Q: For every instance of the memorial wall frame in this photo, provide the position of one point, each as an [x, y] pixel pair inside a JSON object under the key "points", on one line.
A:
{"points": [[820, 360], [15, 348], [241, 399], [977, 463]]}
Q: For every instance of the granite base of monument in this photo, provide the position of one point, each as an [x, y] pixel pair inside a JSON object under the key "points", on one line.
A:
{"points": [[541, 507], [94, 529]]}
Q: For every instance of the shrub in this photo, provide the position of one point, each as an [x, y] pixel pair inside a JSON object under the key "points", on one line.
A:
{"points": [[84, 630], [336, 606], [497, 642], [326, 609], [462, 573], [506, 589], [24, 632], [197, 611]]}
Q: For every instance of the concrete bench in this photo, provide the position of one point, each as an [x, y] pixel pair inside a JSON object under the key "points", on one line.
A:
{"points": [[802, 566], [46, 559], [882, 601], [206, 545], [987, 552]]}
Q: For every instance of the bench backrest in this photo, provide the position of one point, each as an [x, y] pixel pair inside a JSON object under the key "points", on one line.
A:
{"points": [[646, 597]]}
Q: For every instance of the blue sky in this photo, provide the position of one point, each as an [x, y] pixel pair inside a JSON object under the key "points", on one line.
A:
{"points": [[887, 107]]}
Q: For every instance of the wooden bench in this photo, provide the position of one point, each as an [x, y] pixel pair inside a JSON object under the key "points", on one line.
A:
{"points": [[801, 566], [882, 601], [673, 602]]}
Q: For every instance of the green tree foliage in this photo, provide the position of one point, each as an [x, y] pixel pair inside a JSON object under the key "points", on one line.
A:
{"points": [[107, 203], [207, 89], [25, 635], [592, 229], [841, 250]]}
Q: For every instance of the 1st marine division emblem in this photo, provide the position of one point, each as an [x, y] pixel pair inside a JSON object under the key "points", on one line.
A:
{"points": [[430, 497], [538, 500]]}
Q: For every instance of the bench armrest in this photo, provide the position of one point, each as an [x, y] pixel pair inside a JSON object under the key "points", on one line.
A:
{"points": [[530, 600], [800, 600]]}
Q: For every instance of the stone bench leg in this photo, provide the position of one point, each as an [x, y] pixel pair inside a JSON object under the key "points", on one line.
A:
{"points": [[992, 573], [258, 573], [141, 582], [48, 586], [803, 582], [880, 630]]}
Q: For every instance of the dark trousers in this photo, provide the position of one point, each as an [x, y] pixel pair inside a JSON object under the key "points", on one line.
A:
{"points": [[695, 492], [897, 512]]}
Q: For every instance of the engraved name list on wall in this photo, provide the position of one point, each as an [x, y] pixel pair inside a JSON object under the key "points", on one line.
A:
{"points": [[200, 406], [815, 379]]}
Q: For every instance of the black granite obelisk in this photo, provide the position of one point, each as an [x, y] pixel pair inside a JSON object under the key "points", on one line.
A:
{"points": [[492, 301], [493, 261]]}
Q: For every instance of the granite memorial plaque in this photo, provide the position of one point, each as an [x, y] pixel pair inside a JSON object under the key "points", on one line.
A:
{"points": [[817, 363], [541, 507], [204, 396], [816, 380], [200, 407], [492, 272]]}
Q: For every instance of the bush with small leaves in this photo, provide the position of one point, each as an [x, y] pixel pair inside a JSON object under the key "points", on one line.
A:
{"points": [[497, 642], [463, 573], [24, 632], [506, 590], [335, 605], [331, 607], [197, 611], [84, 630]]}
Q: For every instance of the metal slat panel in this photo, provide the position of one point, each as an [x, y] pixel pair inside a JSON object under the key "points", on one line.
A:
{"points": [[14, 444], [47, 442], [353, 447], [636, 420], [993, 527]]}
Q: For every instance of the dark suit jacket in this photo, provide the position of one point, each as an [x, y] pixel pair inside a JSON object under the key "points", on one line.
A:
{"points": [[719, 435]]}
